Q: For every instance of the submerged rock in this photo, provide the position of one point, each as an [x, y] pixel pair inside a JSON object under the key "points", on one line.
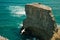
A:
{"points": [[40, 22]]}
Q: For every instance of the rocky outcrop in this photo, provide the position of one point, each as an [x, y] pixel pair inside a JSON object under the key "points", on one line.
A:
{"points": [[40, 22], [56, 35], [3, 38]]}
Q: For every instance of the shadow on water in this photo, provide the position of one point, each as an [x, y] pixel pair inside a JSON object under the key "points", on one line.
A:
{"points": [[13, 34], [10, 33], [27, 35]]}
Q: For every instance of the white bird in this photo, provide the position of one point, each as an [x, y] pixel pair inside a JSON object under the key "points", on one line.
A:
{"points": [[22, 31]]}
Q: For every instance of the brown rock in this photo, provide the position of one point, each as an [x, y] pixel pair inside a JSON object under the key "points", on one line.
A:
{"points": [[3, 38], [56, 35]]}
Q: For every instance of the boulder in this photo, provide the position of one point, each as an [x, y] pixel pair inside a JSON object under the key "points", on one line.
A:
{"points": [[40, 22]]}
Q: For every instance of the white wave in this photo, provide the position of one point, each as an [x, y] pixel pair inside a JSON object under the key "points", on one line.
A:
{"points": [[20, 25], [58, 25], [17, 10]]}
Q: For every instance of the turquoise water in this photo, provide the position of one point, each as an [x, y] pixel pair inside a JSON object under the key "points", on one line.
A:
{"points": [[12, 14]]}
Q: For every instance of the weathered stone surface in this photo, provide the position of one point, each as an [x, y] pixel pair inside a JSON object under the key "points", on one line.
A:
{"points": [[40, 21], [56, 35]]}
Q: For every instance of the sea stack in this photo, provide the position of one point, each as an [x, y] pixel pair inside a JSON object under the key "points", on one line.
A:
{"points": [[40, 21]]}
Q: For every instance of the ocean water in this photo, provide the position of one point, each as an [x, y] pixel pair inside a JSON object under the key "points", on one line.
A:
{"points": [[12, 14]]}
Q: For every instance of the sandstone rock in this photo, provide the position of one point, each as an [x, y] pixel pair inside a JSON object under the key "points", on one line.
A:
{"points": [[3, 38], [56, 35], [40, 21]]}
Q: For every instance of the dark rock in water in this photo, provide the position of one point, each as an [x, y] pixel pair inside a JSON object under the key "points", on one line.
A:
{"points": [[40, 22]]}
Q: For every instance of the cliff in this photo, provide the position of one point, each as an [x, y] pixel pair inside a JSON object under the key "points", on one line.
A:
{"points": [[40, 21]]}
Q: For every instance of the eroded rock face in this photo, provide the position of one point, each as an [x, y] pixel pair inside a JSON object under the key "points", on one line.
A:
{"points": [[40, 22]]}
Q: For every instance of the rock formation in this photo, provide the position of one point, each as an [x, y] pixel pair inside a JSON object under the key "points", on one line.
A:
{"points": [[56, 35], [3, 38], [40, 22]]}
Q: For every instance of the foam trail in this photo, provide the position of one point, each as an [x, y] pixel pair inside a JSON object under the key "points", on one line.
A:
{"points": [[17, 10]]}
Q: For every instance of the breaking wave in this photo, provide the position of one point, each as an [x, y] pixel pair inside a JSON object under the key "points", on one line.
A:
{"points": [[17, 10]]}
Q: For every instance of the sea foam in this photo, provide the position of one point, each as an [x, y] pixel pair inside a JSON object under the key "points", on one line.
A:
{"points": [[17, 10]]}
